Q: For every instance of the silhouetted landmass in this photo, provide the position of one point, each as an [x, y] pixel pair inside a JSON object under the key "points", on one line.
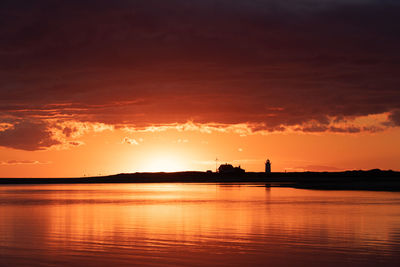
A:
{"points": [[348, 180]]}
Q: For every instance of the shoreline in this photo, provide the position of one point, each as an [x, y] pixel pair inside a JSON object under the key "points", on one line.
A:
{"points": [[376, 180]]}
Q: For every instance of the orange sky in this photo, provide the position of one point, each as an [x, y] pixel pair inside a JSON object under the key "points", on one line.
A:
{"points": [[115, 151]]}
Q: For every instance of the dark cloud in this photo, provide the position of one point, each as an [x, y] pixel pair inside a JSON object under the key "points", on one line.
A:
{"points": [[28, 135], [313, 129], [394, 117], [275, 63], [70, 131], [347, 129]]}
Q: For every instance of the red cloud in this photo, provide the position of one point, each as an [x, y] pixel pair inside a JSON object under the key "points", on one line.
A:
{"points": [[294, 66], [394, 117], [28, 135]]}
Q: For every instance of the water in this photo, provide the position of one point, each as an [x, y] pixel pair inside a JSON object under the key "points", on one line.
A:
{"points": [[196, 225]]}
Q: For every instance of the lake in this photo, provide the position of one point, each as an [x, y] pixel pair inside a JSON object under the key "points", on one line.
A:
{"points": [[196, 225]]}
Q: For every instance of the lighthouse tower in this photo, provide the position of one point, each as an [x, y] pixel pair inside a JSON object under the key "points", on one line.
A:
{"points": [[268, 166]]}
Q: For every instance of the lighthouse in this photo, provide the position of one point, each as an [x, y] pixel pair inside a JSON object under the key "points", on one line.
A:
{"points": [[268, 166]]}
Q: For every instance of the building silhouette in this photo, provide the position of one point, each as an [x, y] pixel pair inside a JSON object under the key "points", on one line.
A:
{"points": [[268, 166], [228, 168]]}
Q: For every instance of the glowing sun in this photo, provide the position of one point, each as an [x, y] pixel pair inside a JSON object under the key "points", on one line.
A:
{"points": [[164, 163]]}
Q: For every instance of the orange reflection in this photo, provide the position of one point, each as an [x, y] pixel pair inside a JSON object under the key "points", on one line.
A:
{"points": [[182, 222]]}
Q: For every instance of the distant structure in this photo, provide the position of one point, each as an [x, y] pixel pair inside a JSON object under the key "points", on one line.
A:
{"points": [[268, 166], [228, 168]]}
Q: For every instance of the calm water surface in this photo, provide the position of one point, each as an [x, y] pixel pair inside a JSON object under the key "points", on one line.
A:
{"points": [[196, 225]]}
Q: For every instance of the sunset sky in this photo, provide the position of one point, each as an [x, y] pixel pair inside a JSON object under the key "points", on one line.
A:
{"points": [[95, 87]]}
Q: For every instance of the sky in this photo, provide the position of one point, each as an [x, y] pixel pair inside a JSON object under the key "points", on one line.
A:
{"points": [[104, 87]]}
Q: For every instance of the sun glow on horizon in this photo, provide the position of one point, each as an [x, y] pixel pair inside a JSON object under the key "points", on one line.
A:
{"points": [[164, 163]]}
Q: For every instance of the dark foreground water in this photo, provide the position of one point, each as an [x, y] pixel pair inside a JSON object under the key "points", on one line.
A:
{"points": [[196, 225]]}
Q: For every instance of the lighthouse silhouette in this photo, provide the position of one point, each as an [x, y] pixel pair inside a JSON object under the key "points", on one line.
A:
{"points": [[268, 166]]}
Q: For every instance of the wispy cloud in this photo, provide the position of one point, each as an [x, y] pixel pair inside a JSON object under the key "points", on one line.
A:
{"points": [[130, 141], [316, 168], [23, 162]]}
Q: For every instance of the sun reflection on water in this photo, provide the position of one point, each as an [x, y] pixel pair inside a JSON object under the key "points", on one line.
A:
{"points": [[189, 224]]}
